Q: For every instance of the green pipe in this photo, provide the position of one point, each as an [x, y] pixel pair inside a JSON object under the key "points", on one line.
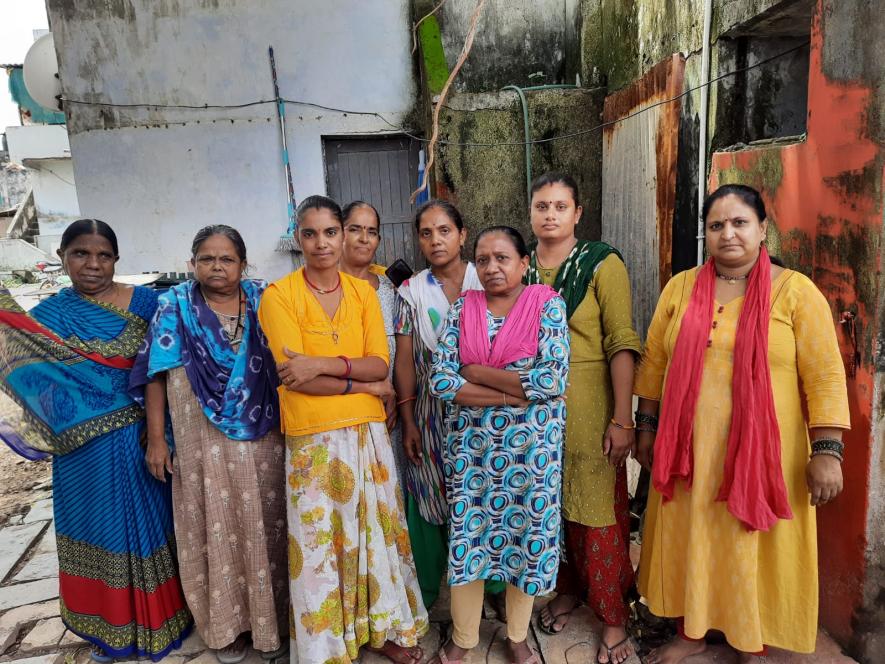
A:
{"points": [[527, 131]]}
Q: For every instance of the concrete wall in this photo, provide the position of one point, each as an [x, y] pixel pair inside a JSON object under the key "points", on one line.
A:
{"points": [[826, 200], [14, 184], [46, 152], [489, 183], [157, 174], [518, 42]]}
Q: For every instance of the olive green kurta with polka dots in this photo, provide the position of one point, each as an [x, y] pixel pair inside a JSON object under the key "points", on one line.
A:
{"points": [[600, 327]]}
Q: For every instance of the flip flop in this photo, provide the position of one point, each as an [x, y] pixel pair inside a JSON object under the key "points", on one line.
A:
{"points": [[233, 653], [608, 649], [100, 656], [551, 627]]}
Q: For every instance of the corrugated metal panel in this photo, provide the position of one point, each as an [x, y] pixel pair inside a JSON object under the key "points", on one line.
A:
{"points": [[639, 180], [380, 171]]}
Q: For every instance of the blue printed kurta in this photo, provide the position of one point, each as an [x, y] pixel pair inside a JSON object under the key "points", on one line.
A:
{"points": [[503, 465]]}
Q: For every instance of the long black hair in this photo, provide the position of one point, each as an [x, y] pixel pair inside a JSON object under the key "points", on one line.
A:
{"points": [[556, 178], [89, 227], [749, 196], [317, 202], [450, 210]]}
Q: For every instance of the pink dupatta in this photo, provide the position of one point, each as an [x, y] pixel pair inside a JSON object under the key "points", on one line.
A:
{"points": [[518, 337]]}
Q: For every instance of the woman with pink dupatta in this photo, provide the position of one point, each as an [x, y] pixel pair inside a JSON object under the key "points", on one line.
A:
{"points": [[502, 362], [742, 357]]}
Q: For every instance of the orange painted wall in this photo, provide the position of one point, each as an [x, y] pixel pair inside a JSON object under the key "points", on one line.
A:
{"points": [[824, 196]]}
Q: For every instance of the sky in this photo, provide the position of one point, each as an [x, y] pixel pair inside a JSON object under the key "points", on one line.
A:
{"points": [[18, 20]]}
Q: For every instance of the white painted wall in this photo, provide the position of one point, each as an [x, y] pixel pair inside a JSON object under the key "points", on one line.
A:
{"points": [[157, 182], [46, 152]]}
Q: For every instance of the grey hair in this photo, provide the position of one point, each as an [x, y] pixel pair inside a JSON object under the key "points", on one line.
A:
{"points": [[229, 232]]}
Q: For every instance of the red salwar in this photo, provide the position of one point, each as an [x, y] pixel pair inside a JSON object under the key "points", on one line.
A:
{"points": [[597, 566]]}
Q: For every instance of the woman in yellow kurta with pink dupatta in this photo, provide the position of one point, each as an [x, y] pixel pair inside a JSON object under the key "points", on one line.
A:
{"points": [[352, 579], [734, 350]]}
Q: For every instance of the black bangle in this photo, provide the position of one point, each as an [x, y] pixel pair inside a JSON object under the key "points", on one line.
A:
{"points": [[823, 445], [348, 387], [646, 422], [831, 453]]}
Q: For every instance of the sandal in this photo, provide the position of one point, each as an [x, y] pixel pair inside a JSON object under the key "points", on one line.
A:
{"points": [[279, 652], [550, 627], [234, 652], [100, 656], [608, 650], [444, 659]]}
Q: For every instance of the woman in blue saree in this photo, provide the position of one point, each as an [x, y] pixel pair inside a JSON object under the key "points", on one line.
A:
{"points": [[66, 364]]}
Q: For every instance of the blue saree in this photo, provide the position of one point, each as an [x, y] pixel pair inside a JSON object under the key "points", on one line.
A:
{"points": [[66, 364]]}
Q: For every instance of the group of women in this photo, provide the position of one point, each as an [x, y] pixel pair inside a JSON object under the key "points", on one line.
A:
{"points": [[313, 456]]}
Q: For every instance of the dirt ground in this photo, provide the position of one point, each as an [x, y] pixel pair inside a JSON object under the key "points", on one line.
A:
{"points": [[18, 475]]}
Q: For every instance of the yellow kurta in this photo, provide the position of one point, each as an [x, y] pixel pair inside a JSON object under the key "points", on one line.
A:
{"points": [[698, 561], [600, 327], [291, 316]]}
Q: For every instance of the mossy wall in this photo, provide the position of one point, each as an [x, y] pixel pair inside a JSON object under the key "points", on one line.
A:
{"points": [[489, 183]]}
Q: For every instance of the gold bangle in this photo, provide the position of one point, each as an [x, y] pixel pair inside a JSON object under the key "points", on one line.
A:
{"points": [[505, 397], [621, 426]]}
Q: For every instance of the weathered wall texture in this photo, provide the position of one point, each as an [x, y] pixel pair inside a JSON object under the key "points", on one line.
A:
{"points": [[14, 183], [518, 42], [640, 146], [159, 174], [489, 183], [826, 201]]}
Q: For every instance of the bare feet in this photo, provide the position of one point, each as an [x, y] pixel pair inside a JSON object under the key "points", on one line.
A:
{"points": [[675, 651], [555, 615], [399, 655], [614, 646]]}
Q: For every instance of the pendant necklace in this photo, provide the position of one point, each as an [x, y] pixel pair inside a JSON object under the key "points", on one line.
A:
{"points": [[732, 279], [323, 291]]}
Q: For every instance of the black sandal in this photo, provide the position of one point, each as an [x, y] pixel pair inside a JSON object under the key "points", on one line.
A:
{"points": [[550, 628], [608, 649]]}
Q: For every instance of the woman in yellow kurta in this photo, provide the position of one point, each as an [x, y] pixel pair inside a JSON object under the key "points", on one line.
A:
{"points": [[730, 539], [593, 280], [351, 575]]}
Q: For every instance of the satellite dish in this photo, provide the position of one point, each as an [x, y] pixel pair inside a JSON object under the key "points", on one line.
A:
{"points": [[41, 73]]}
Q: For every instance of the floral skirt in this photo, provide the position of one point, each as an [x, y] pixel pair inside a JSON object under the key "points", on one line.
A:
{"points": [[352, 578]]}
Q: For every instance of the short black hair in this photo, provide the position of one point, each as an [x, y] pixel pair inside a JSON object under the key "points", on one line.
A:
{"points": [[553, 177], [510, 233], [89, 227], [317, 202], [450, 210], [229, 232], [749, 196]]}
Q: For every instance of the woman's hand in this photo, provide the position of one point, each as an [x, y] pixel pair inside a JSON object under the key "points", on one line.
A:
{"points": [[390, 411], [468, 373], [412, 442], [645, 446], [381, 388], [824, 477], [297, 370], [618, 444], [158, 459]]}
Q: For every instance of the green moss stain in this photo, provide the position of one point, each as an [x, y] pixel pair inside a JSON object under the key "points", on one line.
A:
{"points": [[435, 66], [765, 174]]}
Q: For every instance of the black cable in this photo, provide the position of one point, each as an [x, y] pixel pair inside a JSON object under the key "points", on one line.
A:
{"points": [[405, 132]]}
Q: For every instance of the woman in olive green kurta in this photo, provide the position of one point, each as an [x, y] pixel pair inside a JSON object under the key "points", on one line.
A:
{"points": [[593, 280]]}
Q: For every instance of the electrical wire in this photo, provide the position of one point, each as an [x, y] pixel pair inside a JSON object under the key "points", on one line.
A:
{"points": [[469, 144]]}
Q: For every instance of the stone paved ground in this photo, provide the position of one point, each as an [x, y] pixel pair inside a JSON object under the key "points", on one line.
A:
{"points": [[32, 633]]}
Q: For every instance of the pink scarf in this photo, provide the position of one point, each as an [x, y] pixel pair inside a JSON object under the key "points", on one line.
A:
{"points": [[518, 337], [753, 482]]}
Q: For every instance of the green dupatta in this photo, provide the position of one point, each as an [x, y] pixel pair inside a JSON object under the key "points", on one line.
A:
{"points": [[576, 271]]}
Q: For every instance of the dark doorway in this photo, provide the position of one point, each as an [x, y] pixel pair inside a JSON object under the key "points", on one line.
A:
{"points": [[383, 172]]}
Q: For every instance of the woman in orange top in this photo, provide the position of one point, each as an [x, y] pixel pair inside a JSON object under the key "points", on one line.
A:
{"points": [[351, 575]]}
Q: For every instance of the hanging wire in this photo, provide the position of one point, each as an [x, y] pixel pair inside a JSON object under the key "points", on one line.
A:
{"points": [[468, 144]]}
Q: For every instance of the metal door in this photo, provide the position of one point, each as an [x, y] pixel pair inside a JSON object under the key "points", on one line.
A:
{"points": [[383, 172]]}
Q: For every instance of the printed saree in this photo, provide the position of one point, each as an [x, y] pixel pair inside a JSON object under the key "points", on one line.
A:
{"points": [[66, 366]]}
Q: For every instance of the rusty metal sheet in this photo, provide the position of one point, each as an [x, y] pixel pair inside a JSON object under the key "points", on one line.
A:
{"points": [[639, 180]]}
